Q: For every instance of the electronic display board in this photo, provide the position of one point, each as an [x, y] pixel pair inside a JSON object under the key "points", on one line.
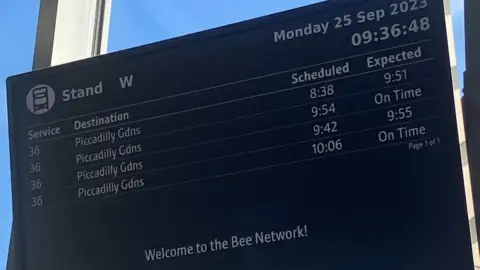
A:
{"points": [[323, 137]]}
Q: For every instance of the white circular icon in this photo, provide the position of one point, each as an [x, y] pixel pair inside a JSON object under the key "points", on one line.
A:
{"points": [[40, 99]]}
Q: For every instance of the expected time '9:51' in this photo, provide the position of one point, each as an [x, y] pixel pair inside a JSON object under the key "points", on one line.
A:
{"points": [[394, 31]]}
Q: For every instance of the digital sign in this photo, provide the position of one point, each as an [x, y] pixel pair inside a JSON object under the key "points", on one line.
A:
{"points": [[323, 137]]}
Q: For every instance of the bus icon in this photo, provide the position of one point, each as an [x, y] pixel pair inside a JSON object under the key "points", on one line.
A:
{"points": [[40, 99]]}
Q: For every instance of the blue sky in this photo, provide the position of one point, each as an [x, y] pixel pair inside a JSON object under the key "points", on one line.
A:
{"points": [[133, 23]]}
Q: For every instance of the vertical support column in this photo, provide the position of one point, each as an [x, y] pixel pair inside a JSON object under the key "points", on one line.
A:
{"points": [[471, 101], [71, 30], [67, 31], [462, 136]]}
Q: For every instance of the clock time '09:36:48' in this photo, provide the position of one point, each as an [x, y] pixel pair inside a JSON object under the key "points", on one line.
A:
{"points": [[389, 32]]}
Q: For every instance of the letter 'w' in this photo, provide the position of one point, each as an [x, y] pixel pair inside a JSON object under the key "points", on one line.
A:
{"points": [[126, 82]]}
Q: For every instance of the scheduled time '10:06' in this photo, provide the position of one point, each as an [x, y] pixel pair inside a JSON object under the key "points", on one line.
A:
{"points": [[394, 31]]}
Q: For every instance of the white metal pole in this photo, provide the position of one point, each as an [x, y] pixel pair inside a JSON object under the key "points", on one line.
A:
{"points": [[462, 136], [71, 30], [67, 31], [471, 101]]}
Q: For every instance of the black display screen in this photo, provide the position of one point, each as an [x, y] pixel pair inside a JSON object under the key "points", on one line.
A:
{"points": [[323, 137]]}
